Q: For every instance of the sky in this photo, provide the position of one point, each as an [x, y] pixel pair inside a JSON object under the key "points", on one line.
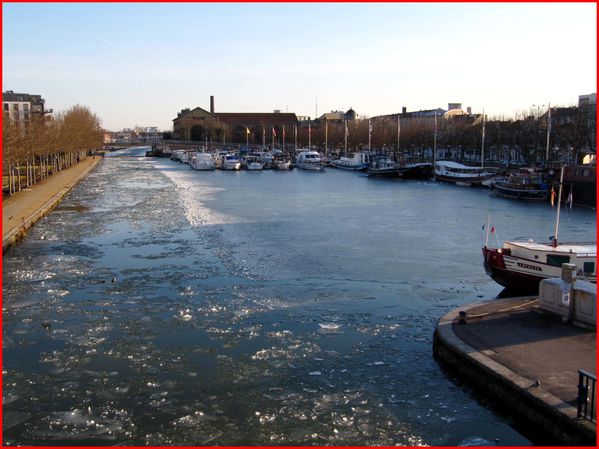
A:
{"points": [[138, 64]]}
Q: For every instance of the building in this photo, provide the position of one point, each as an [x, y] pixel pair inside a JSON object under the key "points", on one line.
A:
{"points": [[197, 123], [587, 100], [21, 107]]}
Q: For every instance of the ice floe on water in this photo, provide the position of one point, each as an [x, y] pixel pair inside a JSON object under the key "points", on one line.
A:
{"points": [[150, 316]]}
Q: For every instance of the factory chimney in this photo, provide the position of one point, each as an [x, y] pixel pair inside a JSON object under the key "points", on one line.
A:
{"points": [[212, 104]]}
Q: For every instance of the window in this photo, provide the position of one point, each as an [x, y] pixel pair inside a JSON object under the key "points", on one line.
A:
{"points": [[588, 268], [6, 108], [557, 261]]}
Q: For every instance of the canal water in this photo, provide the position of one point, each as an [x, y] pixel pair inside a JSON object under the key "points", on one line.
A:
{"points": [[164, 306]]}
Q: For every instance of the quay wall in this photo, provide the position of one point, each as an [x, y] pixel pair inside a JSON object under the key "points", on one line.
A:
{"points": [[544, 414], [48, 195]]}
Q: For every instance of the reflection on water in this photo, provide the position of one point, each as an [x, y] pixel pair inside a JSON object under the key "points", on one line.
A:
{"points": [[160, 305]]}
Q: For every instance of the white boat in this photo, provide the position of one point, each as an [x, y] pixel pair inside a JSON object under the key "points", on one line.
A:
{"points": [[521, 265], [252, 162], [184, 157], [309, 160], [282, 164], [230, 162], [202, 161], [357, 162], [461, 174]]}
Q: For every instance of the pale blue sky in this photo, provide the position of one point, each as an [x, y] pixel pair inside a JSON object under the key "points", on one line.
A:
{"points": [[139, 64]]}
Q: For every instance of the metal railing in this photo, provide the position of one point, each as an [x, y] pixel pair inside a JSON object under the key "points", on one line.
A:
{"points": [[586, 396]]}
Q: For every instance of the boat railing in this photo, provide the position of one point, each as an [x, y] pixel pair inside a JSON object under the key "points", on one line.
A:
{"points": [[586, 396]]}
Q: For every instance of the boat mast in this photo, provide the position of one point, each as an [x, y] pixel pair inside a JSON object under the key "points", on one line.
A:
{"points": [[369, 131], [435, 146], [488, 226], [559, 202], [548, 133], [326, 136], [482, 151], [309, 134], [345, 137], [400, 157]]}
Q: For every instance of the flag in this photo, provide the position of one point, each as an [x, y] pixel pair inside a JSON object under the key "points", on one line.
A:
{"points": [[492, 229], [283, 131], [274, 133], [552, 197], [570, 198], [247, 130], [369, 126]]}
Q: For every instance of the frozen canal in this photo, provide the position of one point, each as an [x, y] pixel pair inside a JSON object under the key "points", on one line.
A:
{"points": [[159, 305]]}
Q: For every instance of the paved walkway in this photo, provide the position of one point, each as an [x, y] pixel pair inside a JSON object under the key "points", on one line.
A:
{"points": [[523, 358], [514, 333], [24, 208]]}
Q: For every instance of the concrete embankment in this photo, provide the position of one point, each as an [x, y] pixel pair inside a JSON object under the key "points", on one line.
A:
{"points": [[24, 208], [525, 362]]}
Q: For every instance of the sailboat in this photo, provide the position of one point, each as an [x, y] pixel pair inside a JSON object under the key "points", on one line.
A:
{"points": [[521, 265]]}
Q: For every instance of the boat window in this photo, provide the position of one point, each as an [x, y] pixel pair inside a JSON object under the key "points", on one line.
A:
{"points": [[588, 268], [557, 260]]}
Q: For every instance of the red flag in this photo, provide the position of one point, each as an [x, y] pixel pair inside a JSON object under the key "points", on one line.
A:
{"points": [[492, 229], [274, 133]]}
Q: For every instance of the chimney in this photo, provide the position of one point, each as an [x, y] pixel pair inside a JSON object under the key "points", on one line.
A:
{"points": [[212, 104], [469, 110], [404, 110]]}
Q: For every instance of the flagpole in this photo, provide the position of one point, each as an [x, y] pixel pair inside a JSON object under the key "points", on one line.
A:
{"points": [[283, 137], [488, 227], [309, 135], [295, 137], [247, 137], [369, 131], [273, 139], [263, 137], [559, 201]]}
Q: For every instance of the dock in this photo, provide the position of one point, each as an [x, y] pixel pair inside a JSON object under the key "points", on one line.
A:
{"points": [[21, 210], [524, 361]]}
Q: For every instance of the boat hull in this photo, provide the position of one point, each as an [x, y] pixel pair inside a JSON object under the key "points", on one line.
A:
{"points": [[349, 167], [310, 166], [519, 194], [522, 282], [383, 173]]}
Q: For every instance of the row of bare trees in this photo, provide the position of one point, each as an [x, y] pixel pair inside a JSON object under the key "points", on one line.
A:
{"points": [[522, 137], [42, 146]]}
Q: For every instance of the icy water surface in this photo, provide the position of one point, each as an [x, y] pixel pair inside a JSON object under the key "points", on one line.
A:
{"points": [[160, 305]]}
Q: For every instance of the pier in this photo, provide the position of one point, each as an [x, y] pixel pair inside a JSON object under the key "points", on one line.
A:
{"points": [[523, 360]]}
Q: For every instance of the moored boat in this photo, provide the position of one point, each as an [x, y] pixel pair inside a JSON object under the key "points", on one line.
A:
{"points": [[230, 162], [383, 167], [522, 186], [309, 160], [520, 266], [462, 175], [416, 170], [202, 161], [357, 162], [252, 163]]}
